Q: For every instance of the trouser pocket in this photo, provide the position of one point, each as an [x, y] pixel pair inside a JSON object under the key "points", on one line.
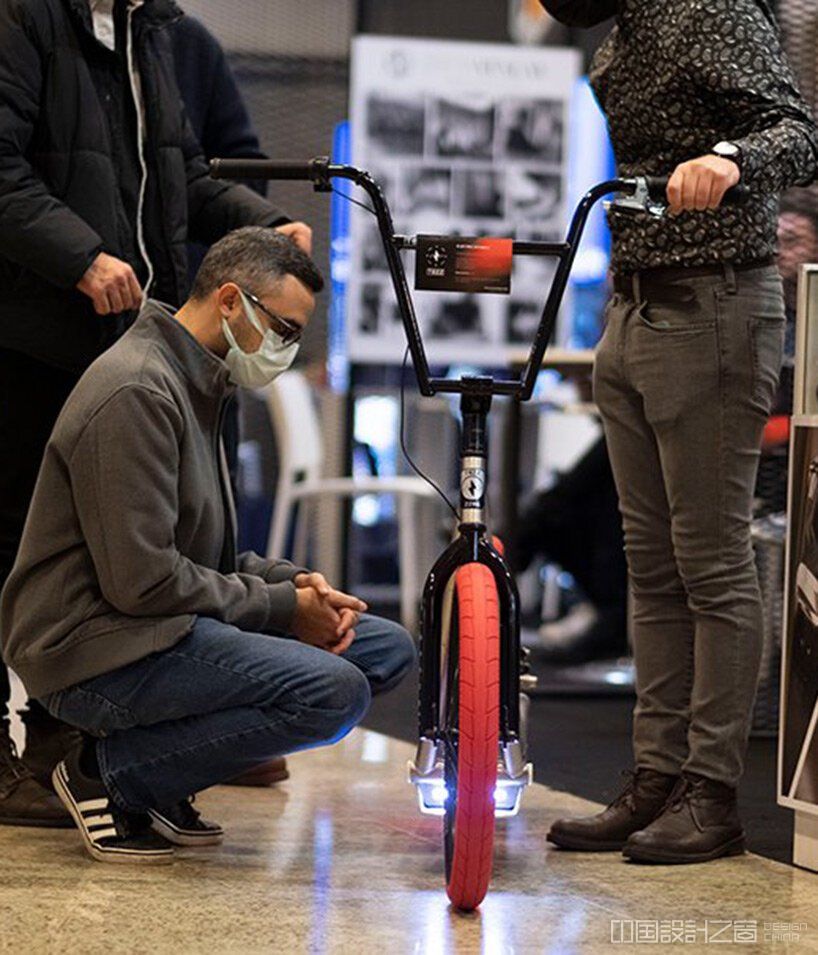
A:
{"points": [[766, 355]]}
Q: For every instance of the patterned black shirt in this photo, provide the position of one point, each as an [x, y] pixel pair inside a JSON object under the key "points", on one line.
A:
{"points": [[674, 78]]}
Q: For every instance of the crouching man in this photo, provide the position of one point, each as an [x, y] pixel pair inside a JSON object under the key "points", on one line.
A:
{"points": [[129, 614]]}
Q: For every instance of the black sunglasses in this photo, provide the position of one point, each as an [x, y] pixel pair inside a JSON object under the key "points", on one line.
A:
{"points": [[284, 327]]}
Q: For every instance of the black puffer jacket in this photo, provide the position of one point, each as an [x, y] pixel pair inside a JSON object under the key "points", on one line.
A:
{"points": [[59, 201]]}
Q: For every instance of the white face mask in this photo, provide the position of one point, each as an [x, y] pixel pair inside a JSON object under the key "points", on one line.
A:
{"points": [[257, 369]]}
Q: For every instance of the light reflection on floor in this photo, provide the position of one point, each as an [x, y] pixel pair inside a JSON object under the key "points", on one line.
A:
{"points": [[338, 861]]}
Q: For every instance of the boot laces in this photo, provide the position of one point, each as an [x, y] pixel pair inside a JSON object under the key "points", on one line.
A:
{"points": [[10, 761], [628, 795], [682, 793], [684, 796]]}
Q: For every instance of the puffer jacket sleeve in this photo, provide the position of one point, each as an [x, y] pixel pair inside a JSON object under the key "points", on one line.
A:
{"points": [[215, 206], [212, 97], [36, 229]]}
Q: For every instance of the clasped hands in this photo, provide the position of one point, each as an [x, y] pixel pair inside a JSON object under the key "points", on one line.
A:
{"points": [[324, 617]]}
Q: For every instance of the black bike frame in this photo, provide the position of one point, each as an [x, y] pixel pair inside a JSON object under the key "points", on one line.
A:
{"points": [[471, 544]]}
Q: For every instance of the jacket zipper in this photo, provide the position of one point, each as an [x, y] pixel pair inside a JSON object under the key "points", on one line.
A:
{"points": [[229, 542]]}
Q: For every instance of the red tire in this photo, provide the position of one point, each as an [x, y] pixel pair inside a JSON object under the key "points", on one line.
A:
{"points": [[471, 762]]}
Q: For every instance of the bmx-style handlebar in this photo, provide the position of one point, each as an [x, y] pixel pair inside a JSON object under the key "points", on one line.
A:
{"points": [[265, 169], [642, 194], [314, 170]]}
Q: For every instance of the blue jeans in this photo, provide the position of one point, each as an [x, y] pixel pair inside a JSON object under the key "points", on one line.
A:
{"points": [[222, 701]]}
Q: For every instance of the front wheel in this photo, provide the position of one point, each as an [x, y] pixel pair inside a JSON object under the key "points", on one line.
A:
{"points": [[472, 727]]}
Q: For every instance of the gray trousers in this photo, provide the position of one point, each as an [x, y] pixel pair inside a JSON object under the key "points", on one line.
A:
{"points": [[685, 377]]}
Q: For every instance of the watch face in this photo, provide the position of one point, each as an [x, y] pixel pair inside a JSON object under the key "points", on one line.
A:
{"points": [[727, 149]]}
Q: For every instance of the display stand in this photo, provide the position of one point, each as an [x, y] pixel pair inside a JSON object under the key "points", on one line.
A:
{"points": [[805, 840], [798, 732]]}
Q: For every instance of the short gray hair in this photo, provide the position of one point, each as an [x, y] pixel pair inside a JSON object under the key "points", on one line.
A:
{"points": [[254, 257]]}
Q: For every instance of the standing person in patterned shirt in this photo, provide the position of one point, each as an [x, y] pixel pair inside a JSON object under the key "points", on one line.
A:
{"points": [[685, 376]]}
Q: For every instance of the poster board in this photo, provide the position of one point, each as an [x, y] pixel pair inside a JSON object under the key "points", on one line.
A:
{"points": [[464, 139]]}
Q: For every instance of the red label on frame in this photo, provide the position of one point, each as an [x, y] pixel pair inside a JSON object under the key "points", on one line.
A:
{"points": [[463, 264]]}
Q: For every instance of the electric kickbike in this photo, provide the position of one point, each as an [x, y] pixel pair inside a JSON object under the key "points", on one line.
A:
{"points": [[470, 765]]}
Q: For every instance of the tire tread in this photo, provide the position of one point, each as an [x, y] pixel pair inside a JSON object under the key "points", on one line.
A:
{"points": [[478, 727]]}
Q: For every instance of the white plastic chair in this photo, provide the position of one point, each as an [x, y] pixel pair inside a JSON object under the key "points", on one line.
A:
{"points": [[301, 457]]}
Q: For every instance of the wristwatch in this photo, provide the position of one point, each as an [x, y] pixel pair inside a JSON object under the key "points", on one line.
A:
{"points": [[729, 151]]}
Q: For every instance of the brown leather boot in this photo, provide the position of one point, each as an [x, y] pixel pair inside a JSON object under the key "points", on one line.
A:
{"points": [[699, 823], [267, 774], [48, 740], [639, 803], [23, 801]]}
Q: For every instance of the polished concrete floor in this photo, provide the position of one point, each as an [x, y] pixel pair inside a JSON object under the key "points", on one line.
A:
{"points": [[338, 860]]}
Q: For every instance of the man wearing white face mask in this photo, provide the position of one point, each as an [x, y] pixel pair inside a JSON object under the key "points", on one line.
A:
{"points": [[128, 613]]}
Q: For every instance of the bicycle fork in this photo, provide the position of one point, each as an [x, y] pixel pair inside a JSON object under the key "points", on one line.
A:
{"points": [[470, 545]]}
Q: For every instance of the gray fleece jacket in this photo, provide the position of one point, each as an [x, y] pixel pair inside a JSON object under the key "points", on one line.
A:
{"points": [[131, 530]]}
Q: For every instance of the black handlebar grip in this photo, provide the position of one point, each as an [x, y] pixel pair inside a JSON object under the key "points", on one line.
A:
{"points": [[262, 169], [657, 187]]}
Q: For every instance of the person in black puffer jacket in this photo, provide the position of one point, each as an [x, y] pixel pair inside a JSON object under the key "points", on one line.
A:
{"points": [[102, 184]]}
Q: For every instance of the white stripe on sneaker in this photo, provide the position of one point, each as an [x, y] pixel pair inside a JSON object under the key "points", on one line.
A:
{"points": [[94, 839], [98, 834], [105, 820], [94, 805]]}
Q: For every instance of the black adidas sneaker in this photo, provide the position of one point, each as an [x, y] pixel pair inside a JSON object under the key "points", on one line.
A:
{"points": [[183, 825], [109, 834]]}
